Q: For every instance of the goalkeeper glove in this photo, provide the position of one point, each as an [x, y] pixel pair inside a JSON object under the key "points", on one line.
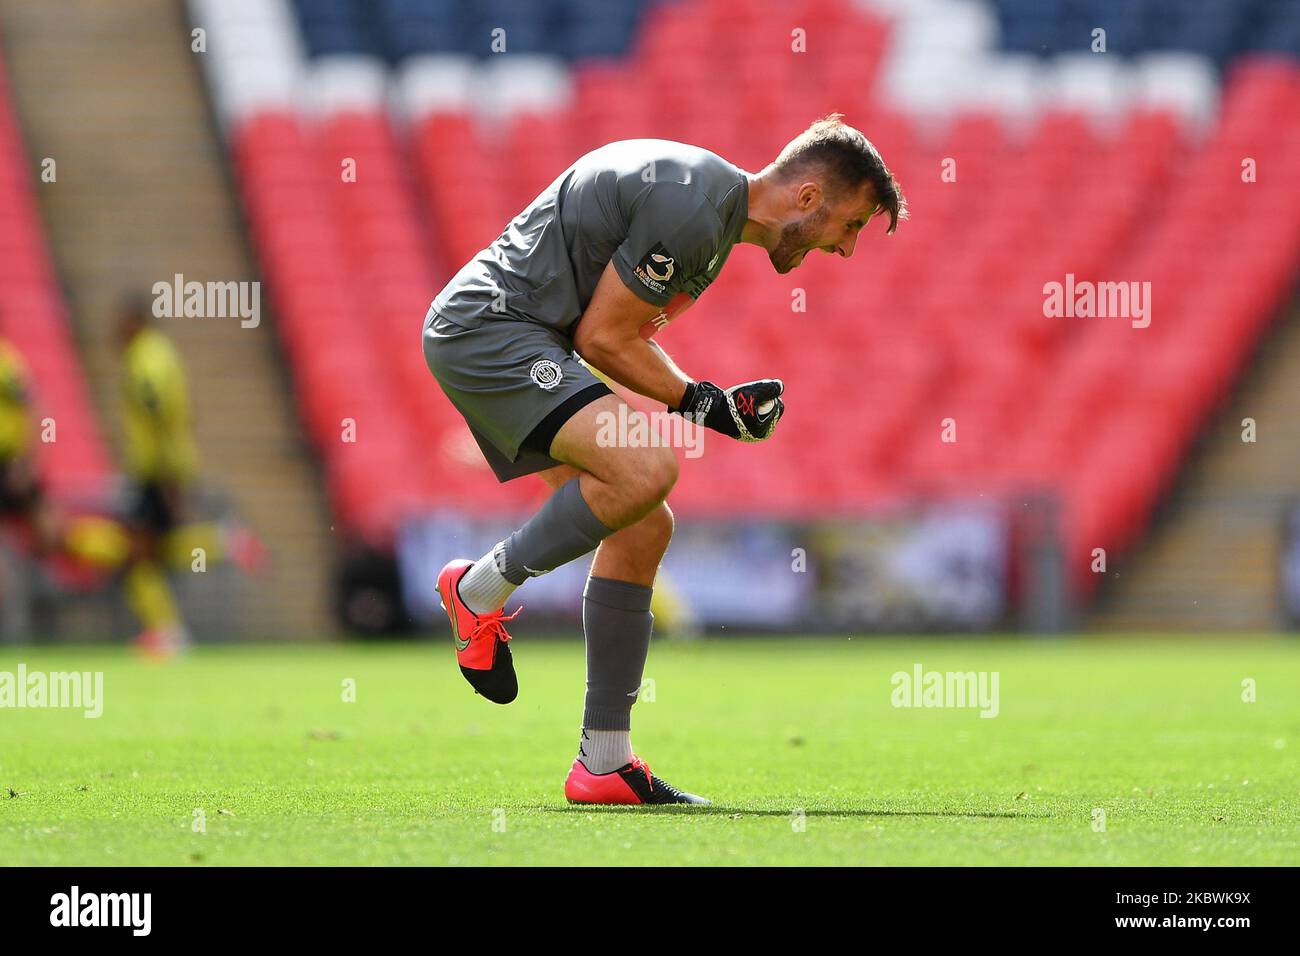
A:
{"points": [[734, 411]]}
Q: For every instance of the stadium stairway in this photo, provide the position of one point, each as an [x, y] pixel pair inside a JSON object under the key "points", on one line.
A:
{"points": [[141, 195], [1210, 562]]}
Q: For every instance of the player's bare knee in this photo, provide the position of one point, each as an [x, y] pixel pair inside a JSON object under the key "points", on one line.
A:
{"points": [[655, 473], [658, 529], [650, 534], [640, 477]]}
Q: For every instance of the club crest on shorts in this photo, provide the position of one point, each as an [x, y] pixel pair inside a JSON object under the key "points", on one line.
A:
{"points": [[546, 374]]}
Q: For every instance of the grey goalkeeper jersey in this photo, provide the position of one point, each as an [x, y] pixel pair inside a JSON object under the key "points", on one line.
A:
{"points": [[666, 214]]}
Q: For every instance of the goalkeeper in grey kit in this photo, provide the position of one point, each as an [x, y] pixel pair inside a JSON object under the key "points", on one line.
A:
{"points": [[614, 249]]}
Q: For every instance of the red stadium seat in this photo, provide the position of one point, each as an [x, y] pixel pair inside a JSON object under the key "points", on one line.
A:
{"points": [[33, 319]]}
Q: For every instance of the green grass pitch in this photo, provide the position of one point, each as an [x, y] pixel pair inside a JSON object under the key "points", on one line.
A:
{"points": [[420, 771]]}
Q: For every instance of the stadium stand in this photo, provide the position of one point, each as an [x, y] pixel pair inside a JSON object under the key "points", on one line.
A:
{"points": [[33, 319], [1093, 168]]}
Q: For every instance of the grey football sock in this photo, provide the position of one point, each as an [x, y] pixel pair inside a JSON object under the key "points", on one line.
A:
{"points": [[604, 751], [564, 529], [616, 620]]}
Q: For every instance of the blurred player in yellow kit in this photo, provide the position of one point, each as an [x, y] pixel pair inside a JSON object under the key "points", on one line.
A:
{"points": [[161, 462], [21, 494], [46, 531]]}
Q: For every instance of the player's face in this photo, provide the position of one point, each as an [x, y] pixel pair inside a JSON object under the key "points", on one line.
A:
{"points": [[831, 227]]}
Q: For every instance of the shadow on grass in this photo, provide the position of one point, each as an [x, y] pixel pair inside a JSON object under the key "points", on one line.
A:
{"points": [[716, 810]]}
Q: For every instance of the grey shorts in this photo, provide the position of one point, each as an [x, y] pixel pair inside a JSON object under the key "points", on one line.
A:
{"points": [[515, 383]]}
